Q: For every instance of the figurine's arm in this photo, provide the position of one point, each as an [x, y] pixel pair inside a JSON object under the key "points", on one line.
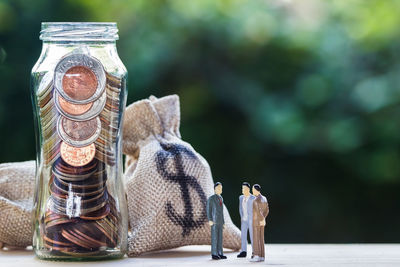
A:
{"points": [[223, 219], [209, 211], [258, 209], [240, 207], [250, 209], [264, 211]]}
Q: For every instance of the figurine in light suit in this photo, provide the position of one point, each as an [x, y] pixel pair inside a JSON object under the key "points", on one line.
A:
{"points": [[215, 214], [246, 215], [260, 212]]}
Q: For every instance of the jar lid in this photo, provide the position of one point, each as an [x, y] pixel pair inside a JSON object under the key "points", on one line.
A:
{"points": [[79, 31]]}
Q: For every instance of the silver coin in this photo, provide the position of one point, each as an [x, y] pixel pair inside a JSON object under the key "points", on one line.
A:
{"points": [[79, 133], [87, 63], [93, 183], [95, 110], [80, 194], [72, 209], [84, 201], [45, 84]]}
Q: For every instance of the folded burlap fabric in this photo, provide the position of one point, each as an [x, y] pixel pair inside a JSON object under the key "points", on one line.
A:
{"points": [[17, 181], [167, 182], [167, 185]]}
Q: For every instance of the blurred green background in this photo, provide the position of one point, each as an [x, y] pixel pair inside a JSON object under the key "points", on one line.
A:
{"points": [[301, 97]]}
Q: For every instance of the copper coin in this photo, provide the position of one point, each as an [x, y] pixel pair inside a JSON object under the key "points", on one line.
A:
{"points": [[102, 227], [73, 109], [97, 105], [79, 78], [79, 130], [56, 247], [93, 241], [90, 183], [77, 156], [93, 229], [74, 238], [57, 222], [79, 83], [69, 170], [55, 239], [97, 215]]}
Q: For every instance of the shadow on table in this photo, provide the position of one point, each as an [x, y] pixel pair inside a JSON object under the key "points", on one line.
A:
{"points": [[183, 252], [174, 254], [17, 250]]}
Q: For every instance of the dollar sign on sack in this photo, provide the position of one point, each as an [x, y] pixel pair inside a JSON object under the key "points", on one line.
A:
{"points": [[176, 152]]}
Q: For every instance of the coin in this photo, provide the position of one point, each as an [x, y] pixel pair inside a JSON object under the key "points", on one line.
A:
{"points": [[79, 78], [45, 99], [74, 210], [87, 254], [67, 234], [58, 190], [79, 133], [77, 156], [103, 227], [57, 247], [92, 182], [69, 173], [49, 159], [96, 107], [107, 158], [79, 83], [81, 203], [73, 109], [80, 130], [74, 172], [57, 222], [51, 149], [97, 215], [45, 84], [94, 242], [113, 82], [56, 239]]}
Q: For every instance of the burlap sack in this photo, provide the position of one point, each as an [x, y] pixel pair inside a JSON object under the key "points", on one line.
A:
{"points": [[167, 182], [17, 181]]}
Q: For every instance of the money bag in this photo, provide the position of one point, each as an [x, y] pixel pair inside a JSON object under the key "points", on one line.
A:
{"points": [[17, 182], [167, 182]]}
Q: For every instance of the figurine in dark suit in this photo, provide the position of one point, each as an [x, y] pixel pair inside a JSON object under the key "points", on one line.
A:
{"points": [[260, 212], [215, 214]]}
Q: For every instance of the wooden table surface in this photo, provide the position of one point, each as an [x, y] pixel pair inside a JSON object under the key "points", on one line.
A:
{"points": [[276, 255]]}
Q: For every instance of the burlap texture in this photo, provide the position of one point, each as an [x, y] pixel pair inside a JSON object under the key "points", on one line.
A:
{"points": [[167, 182], [17, 181]]}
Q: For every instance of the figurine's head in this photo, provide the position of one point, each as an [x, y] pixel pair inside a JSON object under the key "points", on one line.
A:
{"points": [[218, 188], [246, 189], [256, 189]]}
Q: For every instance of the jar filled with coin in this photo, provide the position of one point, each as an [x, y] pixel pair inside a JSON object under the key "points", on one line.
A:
{"points": [[79, 97]]}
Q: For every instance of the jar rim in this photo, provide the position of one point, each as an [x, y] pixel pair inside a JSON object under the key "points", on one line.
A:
{"points": [[79, 31]]}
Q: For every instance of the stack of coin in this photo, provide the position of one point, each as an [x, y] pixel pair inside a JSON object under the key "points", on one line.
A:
{"points": [[82, 235], [77, 192], [48, 115], [79, 110], [109, 120]]}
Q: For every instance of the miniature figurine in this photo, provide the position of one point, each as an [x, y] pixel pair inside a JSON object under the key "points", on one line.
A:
{"points": [[246, 215], [215, 214], [260, 212]]}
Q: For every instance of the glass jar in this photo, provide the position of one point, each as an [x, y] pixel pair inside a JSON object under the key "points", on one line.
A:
{"points": [[78, 90]]}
